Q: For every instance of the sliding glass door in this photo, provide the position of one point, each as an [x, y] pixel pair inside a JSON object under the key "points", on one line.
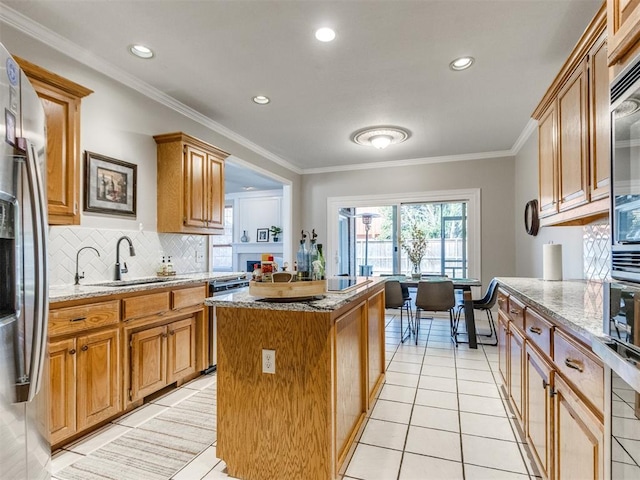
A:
{"points": [[382, 239]]}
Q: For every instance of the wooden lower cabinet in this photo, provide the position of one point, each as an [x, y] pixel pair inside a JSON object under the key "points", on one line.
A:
{"points": [[375, 344], [579, 437], [503, 345], [516, 371], [84, 374], [539, 389], [161, 355]]}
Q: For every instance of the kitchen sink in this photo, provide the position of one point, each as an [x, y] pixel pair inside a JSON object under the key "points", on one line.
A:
{"points": [[133, 281]]}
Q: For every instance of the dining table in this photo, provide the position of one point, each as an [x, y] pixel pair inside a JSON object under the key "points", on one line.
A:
{"points": [[463, 284]]}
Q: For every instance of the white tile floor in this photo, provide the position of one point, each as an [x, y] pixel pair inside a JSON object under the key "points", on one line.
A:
{"points": [[439, 415]]}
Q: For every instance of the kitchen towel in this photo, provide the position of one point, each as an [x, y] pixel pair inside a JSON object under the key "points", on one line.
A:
{"points": [[552, 261]]}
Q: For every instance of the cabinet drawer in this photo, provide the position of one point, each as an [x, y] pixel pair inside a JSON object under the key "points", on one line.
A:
{"points": [[516, 312], [188, 297], [143, 305], [73, 319], [539, 331], [580, 367], [503, 301]]}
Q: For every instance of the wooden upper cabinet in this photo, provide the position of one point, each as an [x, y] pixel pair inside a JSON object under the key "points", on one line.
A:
{"points": [[61, 100], [573, 181], [599, 120], [623, 26], [573, 134], [190, 185], [547, 202]]}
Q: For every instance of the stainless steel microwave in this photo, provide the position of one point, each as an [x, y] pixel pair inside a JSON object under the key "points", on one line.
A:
{"points": [[625, 174]]}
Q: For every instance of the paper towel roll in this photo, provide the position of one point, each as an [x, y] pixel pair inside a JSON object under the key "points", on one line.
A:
{"points": [[552, 261]]}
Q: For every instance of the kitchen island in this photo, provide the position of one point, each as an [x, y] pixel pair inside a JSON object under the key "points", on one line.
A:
{"points": [[300, 421]]}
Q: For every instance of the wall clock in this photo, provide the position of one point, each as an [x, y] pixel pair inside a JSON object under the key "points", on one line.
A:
{"points": [[531, 222]]}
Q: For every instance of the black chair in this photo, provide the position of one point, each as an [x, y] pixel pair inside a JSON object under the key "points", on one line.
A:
{"points": [[435, 296], [395, 298], [486, 303]]}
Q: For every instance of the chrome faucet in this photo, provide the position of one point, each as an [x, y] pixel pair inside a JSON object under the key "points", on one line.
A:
{"points": [[78, 277], [132, 252]]}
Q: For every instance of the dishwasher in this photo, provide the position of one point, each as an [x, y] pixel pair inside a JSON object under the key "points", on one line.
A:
{"points": [[219, 288]]}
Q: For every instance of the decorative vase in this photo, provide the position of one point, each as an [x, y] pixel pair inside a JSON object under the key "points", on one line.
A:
{"points": [[244, 238], [415, 274]]}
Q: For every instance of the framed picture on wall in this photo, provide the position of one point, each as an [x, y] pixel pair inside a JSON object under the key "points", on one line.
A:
{"points": [[263, 235], [109, 185]]}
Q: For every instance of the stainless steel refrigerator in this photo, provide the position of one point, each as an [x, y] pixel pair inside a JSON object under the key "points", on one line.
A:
{"points": [[24, 446]]}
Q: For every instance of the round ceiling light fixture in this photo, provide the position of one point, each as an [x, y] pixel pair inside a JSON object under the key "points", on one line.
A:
{"points": [[380, 137], [325, 34], [261, 99], [141, 51], [461, 63]]}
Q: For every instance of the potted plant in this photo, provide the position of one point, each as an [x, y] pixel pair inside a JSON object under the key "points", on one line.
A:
{"points": [[415, 247], [275, 232]]}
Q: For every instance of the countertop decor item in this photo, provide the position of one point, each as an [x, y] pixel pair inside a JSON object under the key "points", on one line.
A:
{"points": [[552, 261], [262, 235], [244, 238], [110, 185], [415, 247]]}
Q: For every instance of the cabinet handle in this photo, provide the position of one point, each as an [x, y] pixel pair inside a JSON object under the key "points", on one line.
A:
{"points": [[575, 364], [78, 319], [85, 348], [164, 335], [536, 330], [544, 384], [72, 351], [171, 332], [515, 312]]}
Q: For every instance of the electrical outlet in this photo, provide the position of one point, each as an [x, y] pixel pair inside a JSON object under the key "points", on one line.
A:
{"points": [[199, 256], [268, 361]]}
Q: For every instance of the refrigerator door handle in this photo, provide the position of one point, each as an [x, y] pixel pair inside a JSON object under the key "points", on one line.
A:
{"points": [[41, 307]]}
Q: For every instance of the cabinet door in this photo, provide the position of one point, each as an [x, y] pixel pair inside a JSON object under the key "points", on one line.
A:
{"points": [[62, 112], [148, 362], [503, 348], [196, 164], [375, 343], [579, 437], [623, 26], [98, 377], [516, 377], [181, 349], [215, 187], [539, 409], [572, 141], [547, 152], [62, 389], [599, 121]]}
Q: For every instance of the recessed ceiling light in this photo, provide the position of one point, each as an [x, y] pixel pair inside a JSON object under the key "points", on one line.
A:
{"points": [[261, 99], [626, 108], [380, 137], [461, 63], [141, 51], [325, 34]]}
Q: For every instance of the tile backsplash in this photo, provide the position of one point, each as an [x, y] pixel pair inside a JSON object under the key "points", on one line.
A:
{"points": [[64, 243], [597, 251]]}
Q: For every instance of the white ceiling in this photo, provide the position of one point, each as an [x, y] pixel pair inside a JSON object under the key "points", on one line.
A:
{"points": [[387, 65]]}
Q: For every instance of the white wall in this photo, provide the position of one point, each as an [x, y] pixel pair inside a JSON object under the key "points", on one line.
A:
{"points": [[493, 176], [529, 249]]}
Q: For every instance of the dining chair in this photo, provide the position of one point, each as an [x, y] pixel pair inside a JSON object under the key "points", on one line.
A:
{"points": [[485, 303], [394, 297], [435, 296]]}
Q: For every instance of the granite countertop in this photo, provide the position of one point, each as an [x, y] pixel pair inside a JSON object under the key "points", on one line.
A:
{"points": [[61, 293], [573, 304], [330, 301]]}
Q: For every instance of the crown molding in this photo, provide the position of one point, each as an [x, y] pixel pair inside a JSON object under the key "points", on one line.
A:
{"points": [[33, 29], [528, 129], [410, 162]]}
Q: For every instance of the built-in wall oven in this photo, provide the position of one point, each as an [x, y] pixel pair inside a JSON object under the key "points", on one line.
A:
{"points": [[625, 174], [620, 352]]}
